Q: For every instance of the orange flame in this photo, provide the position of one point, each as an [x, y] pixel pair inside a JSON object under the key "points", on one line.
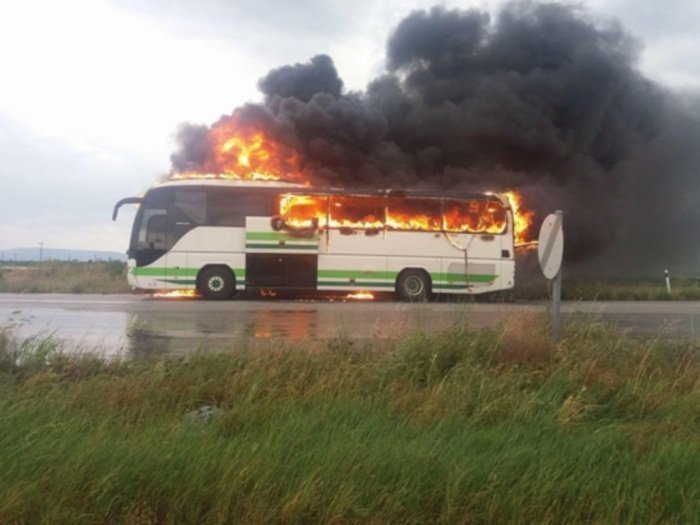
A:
{"points": [[242, 151], [523, 220], [360, 296], [176, 294], [376, 213]]}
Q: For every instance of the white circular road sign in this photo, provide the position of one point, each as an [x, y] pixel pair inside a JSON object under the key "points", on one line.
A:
{"points": [[550, 247]]}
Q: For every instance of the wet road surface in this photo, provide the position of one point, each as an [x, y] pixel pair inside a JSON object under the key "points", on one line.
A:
{"points": [[140, 326]]}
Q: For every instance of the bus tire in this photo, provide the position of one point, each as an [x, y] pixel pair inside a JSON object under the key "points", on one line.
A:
{"points": [[413, 285], [216, 282]]}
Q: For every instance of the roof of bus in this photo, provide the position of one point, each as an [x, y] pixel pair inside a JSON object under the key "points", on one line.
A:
{"points": [[296, 187], [229, 183]]}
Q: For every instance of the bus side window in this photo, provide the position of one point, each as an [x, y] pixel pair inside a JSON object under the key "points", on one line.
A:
{"points": [[191, 204], [474, 216], [153, 230], [357, 212], [231, 209], [414, 214], [302, 211]]}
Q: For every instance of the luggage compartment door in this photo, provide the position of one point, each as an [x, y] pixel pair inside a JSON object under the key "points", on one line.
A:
{"points": [[280, 259]]}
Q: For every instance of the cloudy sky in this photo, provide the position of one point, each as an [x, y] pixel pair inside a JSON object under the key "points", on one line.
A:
{"points": [[92, 91]]}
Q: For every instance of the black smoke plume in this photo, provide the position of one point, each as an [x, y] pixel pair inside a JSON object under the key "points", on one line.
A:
{"points": [[541, 99]]}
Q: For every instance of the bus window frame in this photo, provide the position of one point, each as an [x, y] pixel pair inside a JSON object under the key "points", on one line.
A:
{"points": [[313, 223], [145, 231], [439, 229], [505, 209], [355, 227], [442, 202]]}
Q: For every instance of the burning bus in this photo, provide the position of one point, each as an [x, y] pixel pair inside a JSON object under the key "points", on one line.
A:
{"points": [[218, 237], [249, 219]]}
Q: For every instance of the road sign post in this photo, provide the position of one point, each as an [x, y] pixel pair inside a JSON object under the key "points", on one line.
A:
{"points": [[556, 306], [550, 250]]}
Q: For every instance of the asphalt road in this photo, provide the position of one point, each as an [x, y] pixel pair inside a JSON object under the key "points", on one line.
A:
{"points": [[140, 325]]}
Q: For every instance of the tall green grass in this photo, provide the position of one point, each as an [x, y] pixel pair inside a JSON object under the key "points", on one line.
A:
{"points": [[489, 426]]}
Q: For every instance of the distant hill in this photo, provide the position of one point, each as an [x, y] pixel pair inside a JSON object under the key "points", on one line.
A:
{"points": [[59, 254]]}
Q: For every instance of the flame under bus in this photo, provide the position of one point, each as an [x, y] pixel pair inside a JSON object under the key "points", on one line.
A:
{"points": [[220, 237]]}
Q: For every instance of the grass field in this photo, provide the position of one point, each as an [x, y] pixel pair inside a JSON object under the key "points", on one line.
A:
{"points": [[64, 277], [492, 426], [610, 289]]}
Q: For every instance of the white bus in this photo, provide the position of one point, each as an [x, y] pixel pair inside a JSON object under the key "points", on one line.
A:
{"points": [[219, 237]]}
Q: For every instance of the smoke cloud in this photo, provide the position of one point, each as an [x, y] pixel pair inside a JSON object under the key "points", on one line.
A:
{"points": [[540, 98]]}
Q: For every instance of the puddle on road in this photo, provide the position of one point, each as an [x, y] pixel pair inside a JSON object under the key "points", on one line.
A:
{"points": [[101, 332], [152, 333], [158, 333], [133, 328], [145, 328]]}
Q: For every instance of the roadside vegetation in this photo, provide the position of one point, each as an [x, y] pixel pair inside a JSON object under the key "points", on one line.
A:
{"points": [[608, 289], [488, 426], [110, 277], [639, 289], [64, 277]]}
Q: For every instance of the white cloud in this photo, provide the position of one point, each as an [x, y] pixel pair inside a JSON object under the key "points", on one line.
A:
{"points": [[669, 32], [86, 71]]}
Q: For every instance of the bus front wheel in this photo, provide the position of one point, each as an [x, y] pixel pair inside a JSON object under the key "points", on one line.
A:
{"points": [[413, 285], [216, 282]]}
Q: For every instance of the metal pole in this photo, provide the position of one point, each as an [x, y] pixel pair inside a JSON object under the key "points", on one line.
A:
{"points": [[556, 306], [556, 292], [668, 282]]}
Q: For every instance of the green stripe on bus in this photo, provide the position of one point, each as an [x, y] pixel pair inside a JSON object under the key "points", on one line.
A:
{"points": [[452, 280], [354, 274], [356, 284], [461, 278], [440, 280], [450, 286], [174, 272], [259, 246], [380, 284], [189, 282], [278, 236], [156, 271]]}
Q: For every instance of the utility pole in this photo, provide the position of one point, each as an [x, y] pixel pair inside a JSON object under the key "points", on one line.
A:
{"points": [[41, 251]]}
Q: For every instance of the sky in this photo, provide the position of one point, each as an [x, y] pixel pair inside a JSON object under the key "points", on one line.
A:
{"points": [[92, 91]]}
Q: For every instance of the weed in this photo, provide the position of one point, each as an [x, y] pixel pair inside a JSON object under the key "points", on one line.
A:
{"points": [[65, 277], [487, 426]]}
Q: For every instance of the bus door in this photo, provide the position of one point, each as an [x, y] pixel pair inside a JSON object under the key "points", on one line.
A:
{"points": [[148, 248], [186, 212], [281, 258]]}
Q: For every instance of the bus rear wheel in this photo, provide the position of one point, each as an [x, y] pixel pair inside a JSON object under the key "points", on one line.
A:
{"points": [[216, 282], [413, 285]]}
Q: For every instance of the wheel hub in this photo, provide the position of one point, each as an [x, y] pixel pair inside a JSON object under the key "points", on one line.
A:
{"points": [[216, 284], [414, 286]]}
